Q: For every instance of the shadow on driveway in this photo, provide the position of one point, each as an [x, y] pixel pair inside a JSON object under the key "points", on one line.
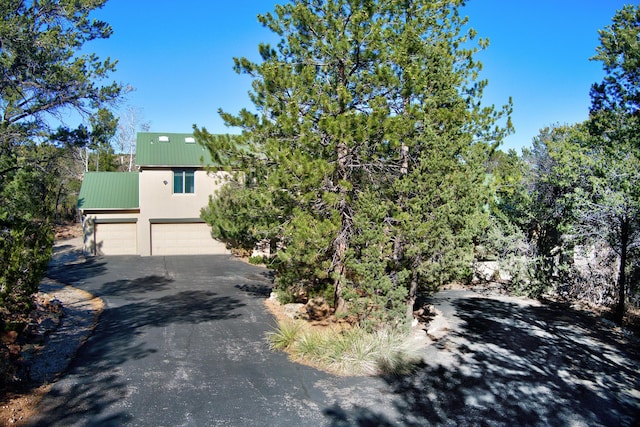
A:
{"points": [[94, 387], [181, 342], [77, 269], [508, 364]]}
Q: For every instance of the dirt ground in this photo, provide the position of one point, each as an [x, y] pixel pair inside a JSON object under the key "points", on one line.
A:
{"points": [[17, 407], [68, 231]]}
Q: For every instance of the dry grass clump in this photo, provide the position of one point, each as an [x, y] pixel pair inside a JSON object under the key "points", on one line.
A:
{"points": [[352, 351]]}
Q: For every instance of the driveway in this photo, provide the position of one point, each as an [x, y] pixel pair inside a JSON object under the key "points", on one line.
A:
{"points": [[181, 343]]}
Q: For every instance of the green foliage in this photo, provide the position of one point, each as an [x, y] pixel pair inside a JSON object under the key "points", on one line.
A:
{"points": [[31, 189], [505, 239], [369, 142], [557, 164], [533, 209], [237, 216], [580, 187], [611, 200], [43, 71], [103, 128], [508, 175], [258, 259], [285, 335], [619, 53], [25, 249], [554, 173], [376, 297], [306, 262]]}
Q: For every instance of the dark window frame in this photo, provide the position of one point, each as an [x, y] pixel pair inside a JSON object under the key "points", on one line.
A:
{"points": [[184, 181]]}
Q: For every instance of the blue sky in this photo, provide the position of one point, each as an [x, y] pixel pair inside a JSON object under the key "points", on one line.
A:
{"points": [[178, 57]]}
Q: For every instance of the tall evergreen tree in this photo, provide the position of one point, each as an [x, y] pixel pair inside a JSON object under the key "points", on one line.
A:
{"points": [[371, 138], [613, 204]]}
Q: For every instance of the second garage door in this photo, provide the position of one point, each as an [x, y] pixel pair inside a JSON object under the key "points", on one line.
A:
{"points": [[184, 239]]}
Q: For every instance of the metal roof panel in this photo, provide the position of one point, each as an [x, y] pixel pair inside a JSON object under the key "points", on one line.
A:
{"points": [[170, 149], [109, 190]]}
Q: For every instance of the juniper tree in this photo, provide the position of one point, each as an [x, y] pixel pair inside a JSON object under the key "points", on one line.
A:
{"points": [[612, 206], [544, 211], [371, 138], [43, 75]]}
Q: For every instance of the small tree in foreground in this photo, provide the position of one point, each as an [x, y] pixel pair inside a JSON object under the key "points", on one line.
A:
{"points": [[370, 143]]}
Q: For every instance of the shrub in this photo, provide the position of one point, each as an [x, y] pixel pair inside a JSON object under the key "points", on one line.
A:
{"points": [[353, 351], [285, 335], [25, 250]]}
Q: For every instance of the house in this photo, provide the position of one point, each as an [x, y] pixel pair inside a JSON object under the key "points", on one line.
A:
{"points": [[156, 210]]}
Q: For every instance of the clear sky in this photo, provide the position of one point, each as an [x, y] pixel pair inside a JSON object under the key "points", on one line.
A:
{"points": [[178, 55]]}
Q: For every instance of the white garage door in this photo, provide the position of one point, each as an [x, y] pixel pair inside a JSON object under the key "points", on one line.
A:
{"points": [[116, 239], [184, 239]]}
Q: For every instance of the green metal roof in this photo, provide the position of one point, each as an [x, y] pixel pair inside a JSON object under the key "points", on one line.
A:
{"points": [[170, 149], [109, 190]]}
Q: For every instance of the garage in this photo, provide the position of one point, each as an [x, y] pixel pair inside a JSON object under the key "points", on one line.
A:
{"points": [[115, 238], [184, 238]]}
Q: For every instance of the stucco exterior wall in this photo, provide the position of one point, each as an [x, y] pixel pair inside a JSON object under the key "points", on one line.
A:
{"points": [[158, 201]]}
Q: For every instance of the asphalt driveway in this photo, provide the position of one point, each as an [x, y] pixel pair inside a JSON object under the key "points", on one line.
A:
{"points": [[181, 343]]}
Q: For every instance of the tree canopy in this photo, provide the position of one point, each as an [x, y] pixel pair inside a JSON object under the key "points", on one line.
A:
{"points": [[42, 71], [577, 190], [366, 156], [611, 202], [44, 74]]}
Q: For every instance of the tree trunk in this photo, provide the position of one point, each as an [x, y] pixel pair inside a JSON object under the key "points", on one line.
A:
{"points": [[340, 248], [339, 303], [341, 240], [131, 155], [57, 204], [411, 299]]}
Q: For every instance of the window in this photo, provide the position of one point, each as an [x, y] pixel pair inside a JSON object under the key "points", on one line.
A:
{"points": [[183, 181]]}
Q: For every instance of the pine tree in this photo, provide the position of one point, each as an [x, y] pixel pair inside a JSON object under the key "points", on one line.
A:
{"points": [[371, 138]]}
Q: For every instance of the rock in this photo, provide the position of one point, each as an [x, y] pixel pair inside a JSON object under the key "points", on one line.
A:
{"points": [[293, 310], [317, 308], [488, 271], [301, 295], [262, 249], [438, 327], [425, 313]]}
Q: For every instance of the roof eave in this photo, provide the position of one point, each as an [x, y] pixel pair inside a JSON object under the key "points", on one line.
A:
{"points": [[176, 166], [128, 209]]}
